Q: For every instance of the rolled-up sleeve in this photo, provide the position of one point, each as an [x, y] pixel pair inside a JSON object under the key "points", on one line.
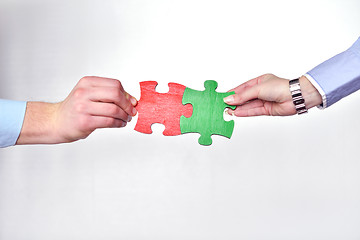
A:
{"points": [[11, 120], [337, 77]]}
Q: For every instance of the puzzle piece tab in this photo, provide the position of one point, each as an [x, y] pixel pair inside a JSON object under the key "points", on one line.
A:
{"points": [[208, 110], [164, 108]]}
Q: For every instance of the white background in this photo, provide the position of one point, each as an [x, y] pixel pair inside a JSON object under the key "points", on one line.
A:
{"points": [[277, 178]]}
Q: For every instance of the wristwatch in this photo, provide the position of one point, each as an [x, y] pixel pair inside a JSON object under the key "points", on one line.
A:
{"points": [[297, 97]]}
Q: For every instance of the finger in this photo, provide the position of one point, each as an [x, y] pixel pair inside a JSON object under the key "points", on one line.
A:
{"points": [[108, 82], [105, 122], [246, 91], [252, 104], [241, 97], [101, 82], [243, 109], [112, 95], [258, 111], [132, 99], [253, 108], [107, 110]]}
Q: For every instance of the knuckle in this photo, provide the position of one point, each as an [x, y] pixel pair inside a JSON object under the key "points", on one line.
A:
{"points": [[80, 107], [117, 84], [268, 76], [84, 80], [79, 93]]}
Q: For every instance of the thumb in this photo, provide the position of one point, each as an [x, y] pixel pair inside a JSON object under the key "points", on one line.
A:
{"points": [[243, 96]]}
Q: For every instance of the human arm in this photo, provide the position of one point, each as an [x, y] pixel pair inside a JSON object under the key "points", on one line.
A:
{"points": [[338, 76], [93, 103], [11, 119], [270, 95], [333, 80]]}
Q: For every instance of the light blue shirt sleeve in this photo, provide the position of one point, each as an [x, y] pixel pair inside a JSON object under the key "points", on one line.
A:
{"points": [[337, 77], [12, 115]]}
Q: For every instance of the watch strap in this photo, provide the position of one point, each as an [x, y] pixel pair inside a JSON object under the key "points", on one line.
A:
{"points": [[297, 97]]}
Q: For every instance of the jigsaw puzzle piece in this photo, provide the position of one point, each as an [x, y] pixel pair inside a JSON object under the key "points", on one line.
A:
{"points": [[208, 113], [163, 108]]}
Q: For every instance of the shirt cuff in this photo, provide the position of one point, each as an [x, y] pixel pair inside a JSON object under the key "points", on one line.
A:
{"points": [[319, 89], [12, 115]]}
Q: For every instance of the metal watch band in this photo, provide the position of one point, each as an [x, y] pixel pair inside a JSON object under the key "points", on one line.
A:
{"points": [[297, 97]]}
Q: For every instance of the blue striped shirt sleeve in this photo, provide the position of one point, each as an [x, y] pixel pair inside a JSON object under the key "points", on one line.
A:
{"points": [[337, 77], [12, 115]]}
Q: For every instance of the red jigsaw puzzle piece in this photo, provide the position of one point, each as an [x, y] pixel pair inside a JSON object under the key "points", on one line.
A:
{"points": [[164, 108]]}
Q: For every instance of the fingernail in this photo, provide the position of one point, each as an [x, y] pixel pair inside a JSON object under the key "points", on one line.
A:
{"points": [[124, 124], [230, 112], [129, 118], [134, 111], [229, 99], [133, 101]]}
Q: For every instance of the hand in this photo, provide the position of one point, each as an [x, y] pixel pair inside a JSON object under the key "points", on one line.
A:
{"points": [[270, 95], [94, 102]]}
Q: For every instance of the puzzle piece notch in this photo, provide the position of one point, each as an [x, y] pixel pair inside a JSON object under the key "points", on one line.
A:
{"points": [[163, 108], [208, 109]]}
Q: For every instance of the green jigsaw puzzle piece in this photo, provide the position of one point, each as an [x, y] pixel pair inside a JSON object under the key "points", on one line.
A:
{"points": [[208, 113]]}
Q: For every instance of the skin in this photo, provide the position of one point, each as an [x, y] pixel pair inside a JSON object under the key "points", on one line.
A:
{"points": [[270, 95], [97, 102], [94, 103]]}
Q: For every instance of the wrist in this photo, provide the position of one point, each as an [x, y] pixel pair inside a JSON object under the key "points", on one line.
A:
{"points": [[39, 124], [310, 94]]}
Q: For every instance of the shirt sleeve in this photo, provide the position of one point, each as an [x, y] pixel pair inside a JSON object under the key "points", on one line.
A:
{"points": [[12, 115], [337, 77]]}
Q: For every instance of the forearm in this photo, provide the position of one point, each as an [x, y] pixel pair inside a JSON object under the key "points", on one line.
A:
{"points": [[93, 103], [39, 124]]}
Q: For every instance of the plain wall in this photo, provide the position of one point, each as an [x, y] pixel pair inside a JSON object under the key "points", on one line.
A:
{"points": [[277, 178]]}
